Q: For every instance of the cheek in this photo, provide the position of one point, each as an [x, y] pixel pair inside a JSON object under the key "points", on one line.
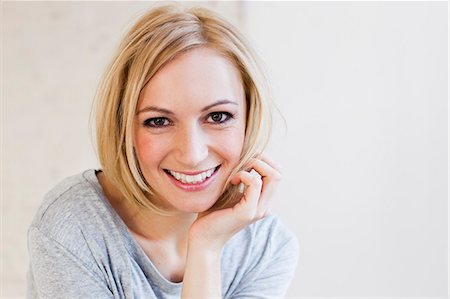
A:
{"points": [[149, 150], [231, 143]]}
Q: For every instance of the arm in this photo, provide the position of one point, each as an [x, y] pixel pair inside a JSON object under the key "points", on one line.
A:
{"points": [[211, 231], [202, 273]]}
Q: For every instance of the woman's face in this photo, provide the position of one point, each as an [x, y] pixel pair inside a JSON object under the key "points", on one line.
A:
{"points": [[189, 129]]}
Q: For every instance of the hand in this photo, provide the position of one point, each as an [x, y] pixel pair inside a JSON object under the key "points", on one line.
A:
{"points": [[212, 230]]}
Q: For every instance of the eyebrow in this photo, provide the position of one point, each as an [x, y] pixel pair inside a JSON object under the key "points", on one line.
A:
{"points": [[166, 111]]}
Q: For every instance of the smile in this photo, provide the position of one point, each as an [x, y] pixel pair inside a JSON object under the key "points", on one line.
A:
{"points": [[192, 179]]}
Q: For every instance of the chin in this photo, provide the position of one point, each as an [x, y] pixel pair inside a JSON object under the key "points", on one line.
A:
{"points": [[198, 208]]}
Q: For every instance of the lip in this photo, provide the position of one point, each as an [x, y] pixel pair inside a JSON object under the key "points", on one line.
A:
{"points": [[194, 172], [194, 187]]}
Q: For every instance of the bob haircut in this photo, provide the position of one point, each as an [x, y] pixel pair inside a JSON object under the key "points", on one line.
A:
{"points": [[155, 39]]}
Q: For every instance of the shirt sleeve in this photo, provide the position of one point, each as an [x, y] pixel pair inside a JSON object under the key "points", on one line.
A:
{"points": [[57, 273], [271, 277]]}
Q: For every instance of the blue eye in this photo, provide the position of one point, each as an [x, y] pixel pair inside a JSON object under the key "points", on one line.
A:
{"points": [[219, 117], [156, 122]]}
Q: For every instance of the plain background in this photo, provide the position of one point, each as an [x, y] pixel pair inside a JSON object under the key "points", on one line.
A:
{"points": [[363, 145]]}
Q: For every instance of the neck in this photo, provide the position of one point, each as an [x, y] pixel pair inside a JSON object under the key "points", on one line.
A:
{"points": [[145, 223], [156, 227]]}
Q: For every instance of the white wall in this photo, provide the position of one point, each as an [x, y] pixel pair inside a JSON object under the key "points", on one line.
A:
{"points": [[54, 54], [363, 88]]}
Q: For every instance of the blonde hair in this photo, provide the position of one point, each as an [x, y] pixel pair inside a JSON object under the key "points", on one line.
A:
{"points": [[156, 38]]}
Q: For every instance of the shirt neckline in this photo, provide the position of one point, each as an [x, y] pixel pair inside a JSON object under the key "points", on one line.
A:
{"points": [[132, 246]]}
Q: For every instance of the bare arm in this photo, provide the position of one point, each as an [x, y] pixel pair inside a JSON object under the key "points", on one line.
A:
{"points": [[209, 233], [202, 273]]}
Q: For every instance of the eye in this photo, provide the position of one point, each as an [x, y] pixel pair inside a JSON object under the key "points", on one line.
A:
{"points": [[156, 122], [219, 117]]}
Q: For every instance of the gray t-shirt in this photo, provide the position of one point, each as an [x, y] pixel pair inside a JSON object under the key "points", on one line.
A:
{"points": [[80, 248]]}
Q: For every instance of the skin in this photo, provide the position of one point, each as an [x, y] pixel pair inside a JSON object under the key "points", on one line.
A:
{"points": [[196, 135], [189, 139]]}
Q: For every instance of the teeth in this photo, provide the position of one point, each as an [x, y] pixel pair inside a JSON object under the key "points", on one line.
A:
{"points": [[192, 179]]}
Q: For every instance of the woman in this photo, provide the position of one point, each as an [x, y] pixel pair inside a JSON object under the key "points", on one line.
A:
{"points": [[180, 207]]}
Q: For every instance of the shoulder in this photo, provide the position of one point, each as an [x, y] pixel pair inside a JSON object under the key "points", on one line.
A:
{"points": [[260, 260], [272, 229], [68, 241], [67, 209], [269, 232], [262, 242]]}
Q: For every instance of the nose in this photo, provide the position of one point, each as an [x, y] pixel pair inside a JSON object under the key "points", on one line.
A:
{"points": [[191, 146]]}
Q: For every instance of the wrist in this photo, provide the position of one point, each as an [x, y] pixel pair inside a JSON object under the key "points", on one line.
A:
{"points": [[208, 248]]}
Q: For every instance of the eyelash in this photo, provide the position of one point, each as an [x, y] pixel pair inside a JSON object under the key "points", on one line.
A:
{"points": [[150, 122]]}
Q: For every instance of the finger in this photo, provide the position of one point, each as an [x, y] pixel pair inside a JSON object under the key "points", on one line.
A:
{"points": [[269, 161], [241, 187], [236, 180], [270, 178], [248, 206], [262, 157], [265, 170]]}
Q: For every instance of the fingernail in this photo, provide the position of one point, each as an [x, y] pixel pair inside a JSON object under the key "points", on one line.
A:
{"points": [[241, 187]]}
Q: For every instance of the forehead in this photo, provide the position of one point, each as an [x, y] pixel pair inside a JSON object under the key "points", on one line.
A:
{"points": [[199, 76]]}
